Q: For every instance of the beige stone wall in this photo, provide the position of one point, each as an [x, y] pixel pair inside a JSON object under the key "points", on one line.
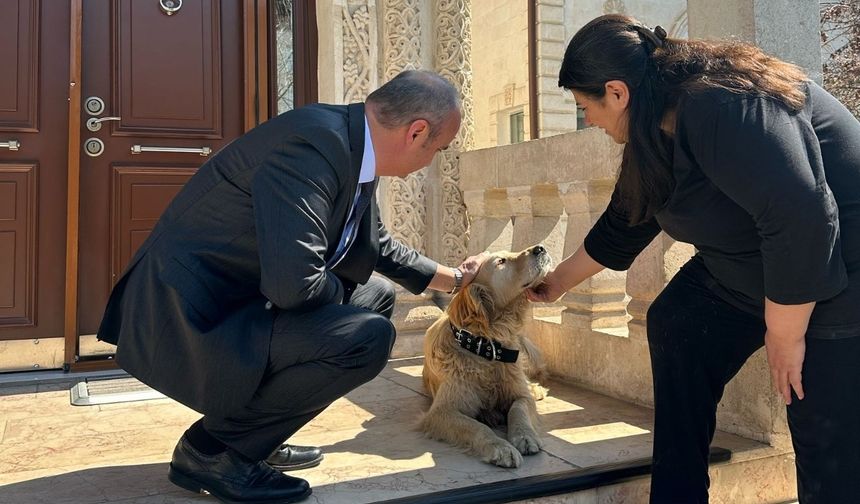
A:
{"points": [[499, 68]]}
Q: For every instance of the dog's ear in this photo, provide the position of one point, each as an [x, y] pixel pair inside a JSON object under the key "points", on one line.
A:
{"points": [[472, 307]]}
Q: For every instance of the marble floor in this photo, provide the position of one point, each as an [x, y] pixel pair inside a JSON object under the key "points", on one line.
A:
{"points": [[52, 452]]}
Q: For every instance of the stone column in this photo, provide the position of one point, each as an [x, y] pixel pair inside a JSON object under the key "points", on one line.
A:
{"points": [[453, 45], [490, 216], [403, 202], [359, 54], [537, 211], [405, 208], [599, 302], [787, 29]]}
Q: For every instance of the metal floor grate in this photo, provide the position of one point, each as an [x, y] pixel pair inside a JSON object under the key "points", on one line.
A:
{"points": [[111, 390]]}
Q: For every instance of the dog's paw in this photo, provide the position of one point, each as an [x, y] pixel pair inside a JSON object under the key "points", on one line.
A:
{"points": [[503, 454], [538, 391], [528, 443]]}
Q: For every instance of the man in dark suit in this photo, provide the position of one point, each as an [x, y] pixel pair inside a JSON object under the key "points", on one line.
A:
{"points": [[252, 300]]}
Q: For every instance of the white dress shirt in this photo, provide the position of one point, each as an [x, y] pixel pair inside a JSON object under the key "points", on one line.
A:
{"points": [[367, 174]]}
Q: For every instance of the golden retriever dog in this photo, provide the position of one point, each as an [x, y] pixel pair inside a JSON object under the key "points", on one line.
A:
{"points": [[477, 362]]}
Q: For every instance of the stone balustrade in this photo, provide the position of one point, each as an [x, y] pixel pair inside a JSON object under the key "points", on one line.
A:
{"points": [[551, 191]]}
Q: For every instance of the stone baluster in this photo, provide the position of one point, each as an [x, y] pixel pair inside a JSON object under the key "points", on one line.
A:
{"points": [[536, 212], [651, 271], [599, 302], [520, 201], [490, 219]]}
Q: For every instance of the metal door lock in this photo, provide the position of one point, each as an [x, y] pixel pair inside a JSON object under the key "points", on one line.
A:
{"points": [[94, 147], [94, 105]]}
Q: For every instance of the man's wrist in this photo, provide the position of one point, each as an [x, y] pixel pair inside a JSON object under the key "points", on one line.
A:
{"points": [[458, 280]]}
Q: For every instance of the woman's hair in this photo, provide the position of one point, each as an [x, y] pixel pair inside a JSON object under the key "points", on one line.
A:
{"points": [[658, 71]]}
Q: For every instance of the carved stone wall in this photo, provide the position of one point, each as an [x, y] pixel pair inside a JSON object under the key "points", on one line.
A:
{"points": [[452, 60], [405, 199], [364, 43], [358, 32]]}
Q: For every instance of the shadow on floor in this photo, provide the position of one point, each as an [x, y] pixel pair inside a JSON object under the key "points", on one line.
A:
{"points": [[146, 483]]}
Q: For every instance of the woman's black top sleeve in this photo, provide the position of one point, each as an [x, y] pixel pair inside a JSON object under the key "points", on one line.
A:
{"points": [[612, 242]]}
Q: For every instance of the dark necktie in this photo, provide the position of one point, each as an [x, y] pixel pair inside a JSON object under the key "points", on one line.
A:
{"points": [[365, 195]]}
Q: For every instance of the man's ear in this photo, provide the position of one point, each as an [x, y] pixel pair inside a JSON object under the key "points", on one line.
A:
{"points": [[472, 307], [419, 130], [617, 94]]}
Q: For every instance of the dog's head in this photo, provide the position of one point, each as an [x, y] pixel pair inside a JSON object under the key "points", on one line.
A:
{"points": [[502, 280]]}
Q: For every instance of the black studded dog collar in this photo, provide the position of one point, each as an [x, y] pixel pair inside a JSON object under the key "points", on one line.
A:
{"points": [[484, 347]]}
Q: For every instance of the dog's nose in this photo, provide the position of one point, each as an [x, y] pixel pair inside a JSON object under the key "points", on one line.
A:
{"points": [[538, 250]]}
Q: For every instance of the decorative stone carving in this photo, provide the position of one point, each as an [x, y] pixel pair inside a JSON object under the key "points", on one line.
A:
{"points": [[614, 7], [359, 49], [402, 51], [453, 26], [402, 39]]}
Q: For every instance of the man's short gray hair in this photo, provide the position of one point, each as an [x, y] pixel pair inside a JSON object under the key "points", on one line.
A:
{"points": [[413, 95]]}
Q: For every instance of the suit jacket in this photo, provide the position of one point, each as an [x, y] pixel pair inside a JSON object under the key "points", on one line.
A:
{"points": [[256, 223]]}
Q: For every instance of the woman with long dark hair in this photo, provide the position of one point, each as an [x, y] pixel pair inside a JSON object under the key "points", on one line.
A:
{"points": [[740, 154]]}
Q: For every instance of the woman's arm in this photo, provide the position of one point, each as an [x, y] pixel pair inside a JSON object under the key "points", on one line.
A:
{"points": [[567, 275]]}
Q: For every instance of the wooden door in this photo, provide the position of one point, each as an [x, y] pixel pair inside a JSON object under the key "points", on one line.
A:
{"points": [[34, 51], [172, 88]]}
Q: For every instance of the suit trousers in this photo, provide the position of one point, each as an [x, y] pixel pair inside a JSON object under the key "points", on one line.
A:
{"points": [[698, 342], [315, 357]]}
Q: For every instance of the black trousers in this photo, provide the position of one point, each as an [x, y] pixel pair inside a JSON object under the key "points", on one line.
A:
{"points": [[698, 342], [315, 357]]}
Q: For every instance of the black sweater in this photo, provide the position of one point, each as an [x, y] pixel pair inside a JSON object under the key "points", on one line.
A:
{"points": [[769, 198]]}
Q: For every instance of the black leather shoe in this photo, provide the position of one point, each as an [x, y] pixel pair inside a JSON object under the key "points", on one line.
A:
{"points": [[233, 478], [289, 457]]}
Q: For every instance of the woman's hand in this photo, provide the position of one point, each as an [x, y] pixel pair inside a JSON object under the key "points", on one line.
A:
{"points": [[568, 274], [785, 342], [785, 354], [548, 291]]}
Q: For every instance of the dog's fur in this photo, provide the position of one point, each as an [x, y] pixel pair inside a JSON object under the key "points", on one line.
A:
{"points": [[467, 388]]}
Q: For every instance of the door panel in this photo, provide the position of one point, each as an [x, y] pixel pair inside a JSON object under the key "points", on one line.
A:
{"points": [[140, 195], [19, 50], [17, 245], [174, 81], [34, 49], [184, 99]]}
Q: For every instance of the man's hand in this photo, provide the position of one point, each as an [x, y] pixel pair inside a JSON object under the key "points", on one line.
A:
{"points": [[548, 291], [470, 267], [785, 357]]}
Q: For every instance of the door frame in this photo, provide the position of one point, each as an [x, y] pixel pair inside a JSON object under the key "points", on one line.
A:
{"points": [[256, 110]]}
